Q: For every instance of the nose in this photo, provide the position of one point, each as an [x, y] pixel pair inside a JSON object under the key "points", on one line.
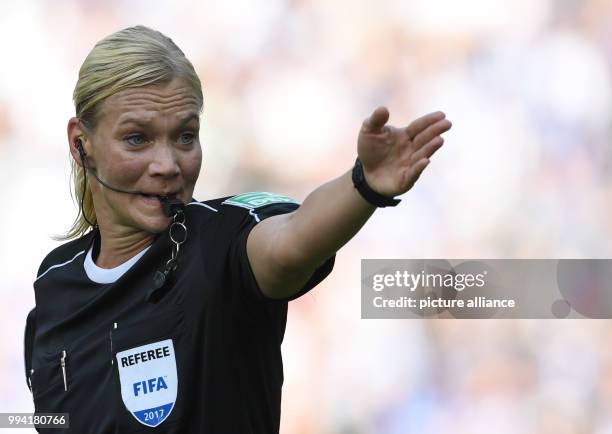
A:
{"points": [[164, 162]]}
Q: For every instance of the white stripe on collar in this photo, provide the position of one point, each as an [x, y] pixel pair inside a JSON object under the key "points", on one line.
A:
{"points": [[60, 265], [203, 204]]}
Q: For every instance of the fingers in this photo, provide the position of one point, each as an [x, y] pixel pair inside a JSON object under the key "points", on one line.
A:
{"points": [[420, 124], [428, 150], [431, 132], [376, 121], [417, 169]]}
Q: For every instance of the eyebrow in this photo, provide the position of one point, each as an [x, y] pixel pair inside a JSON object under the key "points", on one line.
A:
{"points": [[141, 122]]}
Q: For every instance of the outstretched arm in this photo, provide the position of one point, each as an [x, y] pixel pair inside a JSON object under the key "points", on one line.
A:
{"points": [[285, 250]]}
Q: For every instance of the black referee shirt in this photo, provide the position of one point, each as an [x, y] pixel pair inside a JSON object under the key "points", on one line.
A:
{"points": [[205, 358]]}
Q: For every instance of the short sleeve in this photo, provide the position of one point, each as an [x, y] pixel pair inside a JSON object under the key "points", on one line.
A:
{"points": [[240, 268]]}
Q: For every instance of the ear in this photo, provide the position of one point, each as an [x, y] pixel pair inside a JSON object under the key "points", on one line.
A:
{"points": [[76, 132]]}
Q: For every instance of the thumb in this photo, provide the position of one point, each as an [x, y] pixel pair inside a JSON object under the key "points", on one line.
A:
{"points": [[376, 121]]}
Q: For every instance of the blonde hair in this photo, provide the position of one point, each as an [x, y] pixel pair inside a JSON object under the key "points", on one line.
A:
{"points": [[132, 57]]}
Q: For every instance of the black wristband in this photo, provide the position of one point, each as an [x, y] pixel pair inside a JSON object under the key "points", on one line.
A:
{"points": [[366, 192]]}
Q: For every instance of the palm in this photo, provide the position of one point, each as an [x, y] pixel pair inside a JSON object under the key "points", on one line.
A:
{"points": [[394, 158]]}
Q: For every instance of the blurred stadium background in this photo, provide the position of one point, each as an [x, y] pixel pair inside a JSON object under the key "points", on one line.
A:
{"points": [[525, 173]]}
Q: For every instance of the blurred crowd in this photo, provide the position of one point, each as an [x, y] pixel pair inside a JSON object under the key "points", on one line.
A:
{"points": [[524, 173]]}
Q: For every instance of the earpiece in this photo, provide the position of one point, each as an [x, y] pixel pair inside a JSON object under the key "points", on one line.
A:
{"points": [[79, 145]]}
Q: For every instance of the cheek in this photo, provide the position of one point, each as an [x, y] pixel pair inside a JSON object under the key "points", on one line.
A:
{"points": [[123, 170], [190, 166]]}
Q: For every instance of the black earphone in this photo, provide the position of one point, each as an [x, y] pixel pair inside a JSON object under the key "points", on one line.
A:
{"points": [[79, 145], [82, 154]]}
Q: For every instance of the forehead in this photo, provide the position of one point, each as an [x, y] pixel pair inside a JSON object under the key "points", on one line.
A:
{"points": [[174, 99]]}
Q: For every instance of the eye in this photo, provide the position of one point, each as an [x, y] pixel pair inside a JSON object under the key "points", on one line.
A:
{"points": [[138, 139], [188, 138]]}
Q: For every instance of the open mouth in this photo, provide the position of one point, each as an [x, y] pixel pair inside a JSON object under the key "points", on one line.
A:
{"points": [[160, 199], [169, 202], [160, 196]]}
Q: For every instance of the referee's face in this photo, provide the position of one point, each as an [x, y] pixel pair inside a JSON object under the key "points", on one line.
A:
{"points": [[147, 140]]}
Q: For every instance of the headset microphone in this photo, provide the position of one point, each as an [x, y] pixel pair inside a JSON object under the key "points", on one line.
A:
{"points": [[170, 206]]}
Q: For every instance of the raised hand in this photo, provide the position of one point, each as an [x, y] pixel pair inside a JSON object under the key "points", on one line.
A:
{"points": [[394, 158]]}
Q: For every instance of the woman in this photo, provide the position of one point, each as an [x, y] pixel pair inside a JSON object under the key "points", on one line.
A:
{"points": [[167, 312]]}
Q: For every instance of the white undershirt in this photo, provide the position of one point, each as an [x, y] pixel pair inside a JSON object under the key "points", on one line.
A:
{"points": [[108, 275]]}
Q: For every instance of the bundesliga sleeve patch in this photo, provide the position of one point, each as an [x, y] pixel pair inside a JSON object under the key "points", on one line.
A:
{"points": [[257, 199], [149, 381]]}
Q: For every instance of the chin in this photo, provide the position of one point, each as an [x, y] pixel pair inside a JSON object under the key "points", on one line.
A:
{"points": [[160, 226], [153, 224], [148, 216]]}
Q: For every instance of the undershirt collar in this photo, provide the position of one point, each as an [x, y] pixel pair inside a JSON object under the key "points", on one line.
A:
{"points": [[109, 275]]}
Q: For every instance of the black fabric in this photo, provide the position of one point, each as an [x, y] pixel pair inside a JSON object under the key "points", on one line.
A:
{"points": [[28, 343], [226, 334]]}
